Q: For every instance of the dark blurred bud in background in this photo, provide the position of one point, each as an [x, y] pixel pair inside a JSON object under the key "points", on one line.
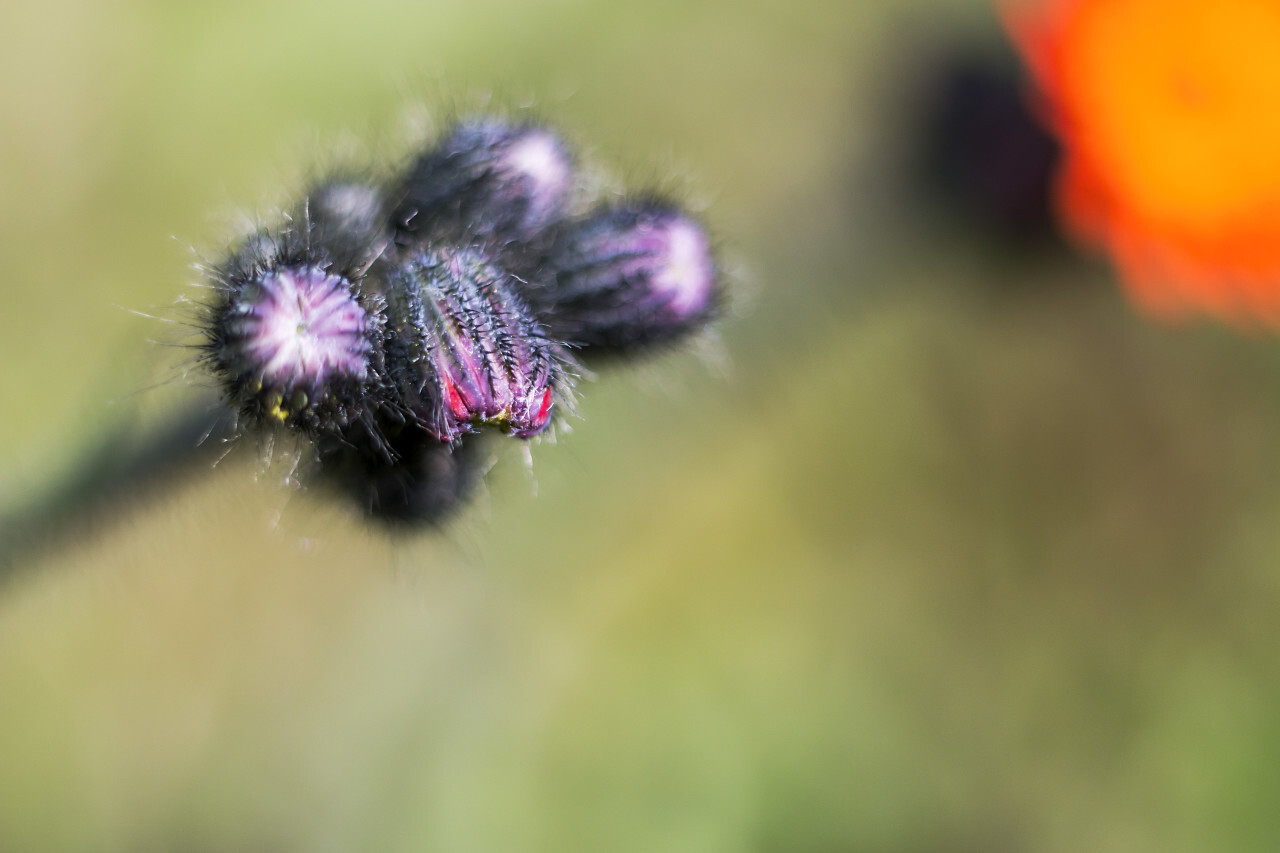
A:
{"points": [[420, 482], [971, 149]]}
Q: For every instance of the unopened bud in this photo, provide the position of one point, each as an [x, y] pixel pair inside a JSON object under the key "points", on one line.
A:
{"points": [[464, 350], [294, 340], [627, 277], [487, 181]]}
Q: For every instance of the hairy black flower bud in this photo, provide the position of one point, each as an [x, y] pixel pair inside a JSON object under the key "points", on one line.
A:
{"points": [[421, 480], [291, 333], [626, 277], [463, 351], [386, 327], [349, 219], [487, 181]]}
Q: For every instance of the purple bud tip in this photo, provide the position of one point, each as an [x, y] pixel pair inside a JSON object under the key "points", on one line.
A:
{"points": [[290, 333], [536, 166], [630, 276], [674, 255], [304, 327]]}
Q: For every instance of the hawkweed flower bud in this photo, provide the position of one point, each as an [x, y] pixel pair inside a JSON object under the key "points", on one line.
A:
{"points": [[421, 481], [627, 277], [464, 351], [487, 181], [291, 334], [347, 217], [388, 327]]}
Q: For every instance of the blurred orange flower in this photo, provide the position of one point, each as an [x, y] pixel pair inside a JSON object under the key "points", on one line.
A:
{"points": [[1169, 112]]}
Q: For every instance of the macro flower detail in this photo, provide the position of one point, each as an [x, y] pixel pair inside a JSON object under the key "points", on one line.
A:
{"points": [[1166, 112], [388, 325], [300, 327], [474, 355], [628, 276], [294, 341]]}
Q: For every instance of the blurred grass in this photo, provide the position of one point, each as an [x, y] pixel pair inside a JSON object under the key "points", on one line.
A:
{"points": [[960, 555]]}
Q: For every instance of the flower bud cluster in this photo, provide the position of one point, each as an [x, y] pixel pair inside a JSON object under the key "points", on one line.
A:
{"points": [[390, 323]]}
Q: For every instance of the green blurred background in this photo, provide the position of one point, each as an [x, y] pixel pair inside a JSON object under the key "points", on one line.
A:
{"points": [[942, 548]]}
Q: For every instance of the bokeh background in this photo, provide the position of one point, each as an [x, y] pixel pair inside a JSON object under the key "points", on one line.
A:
{"points": [[939, 547]]}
